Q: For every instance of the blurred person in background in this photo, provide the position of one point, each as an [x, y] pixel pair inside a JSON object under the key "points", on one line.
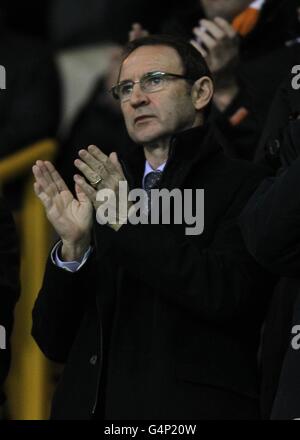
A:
{"points": [[279, 145], [249, 47], [30, 103], [98, 122], [89, 22], [270, 224], [9, 290]]}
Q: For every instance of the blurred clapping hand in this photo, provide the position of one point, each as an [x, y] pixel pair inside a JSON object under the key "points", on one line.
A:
{"points": [[218, 42]]}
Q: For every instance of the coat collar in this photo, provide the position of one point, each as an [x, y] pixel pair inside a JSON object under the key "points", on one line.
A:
{"points": [[187, 148], [193, 144]]}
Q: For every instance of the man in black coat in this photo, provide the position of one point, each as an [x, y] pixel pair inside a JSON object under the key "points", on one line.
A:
{"points": [[279, 145], [270, 228], [151, 322], [9, 289]]}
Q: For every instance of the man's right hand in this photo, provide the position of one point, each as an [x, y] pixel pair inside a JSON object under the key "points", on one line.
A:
{"points": [[71, 217]]}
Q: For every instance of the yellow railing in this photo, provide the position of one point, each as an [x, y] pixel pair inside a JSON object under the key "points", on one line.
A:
{"points": [[21, 162], [29, 384]]}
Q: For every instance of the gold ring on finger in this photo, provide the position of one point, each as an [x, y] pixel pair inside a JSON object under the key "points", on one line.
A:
{"points": [[96, 182]]}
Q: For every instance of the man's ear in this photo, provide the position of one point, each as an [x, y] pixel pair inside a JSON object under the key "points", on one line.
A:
{"points": [[202, 92]]}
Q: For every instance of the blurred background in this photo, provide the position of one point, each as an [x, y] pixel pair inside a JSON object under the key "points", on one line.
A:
{"points": [[61, 57]]}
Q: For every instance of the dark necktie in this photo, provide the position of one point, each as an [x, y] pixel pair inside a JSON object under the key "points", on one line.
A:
{"points": [[151, 182]]}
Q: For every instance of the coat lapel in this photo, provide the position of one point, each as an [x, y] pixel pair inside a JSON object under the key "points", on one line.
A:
{"points": [[187, 149]]}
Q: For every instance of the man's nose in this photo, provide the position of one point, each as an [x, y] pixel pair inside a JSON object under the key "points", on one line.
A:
{"points": [[138, 97]]}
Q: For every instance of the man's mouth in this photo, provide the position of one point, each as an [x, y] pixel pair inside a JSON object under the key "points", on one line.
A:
{"points": [[140, 119]]}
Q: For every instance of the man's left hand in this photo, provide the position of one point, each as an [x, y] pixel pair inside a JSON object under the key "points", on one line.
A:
{"points": [[95, 165]]}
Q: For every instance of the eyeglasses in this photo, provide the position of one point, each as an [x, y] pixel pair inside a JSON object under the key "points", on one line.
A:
{"points": [[150, 82]]}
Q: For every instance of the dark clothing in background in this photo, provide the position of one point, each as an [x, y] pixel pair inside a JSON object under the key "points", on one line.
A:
{"points": [[287, 400], [29, 107], [270, 225], [96, 123], [171, 321], [30, 104], [264, 62], [270, 208], [28, 18], [87, 22], [280, 142], [9, 285]]}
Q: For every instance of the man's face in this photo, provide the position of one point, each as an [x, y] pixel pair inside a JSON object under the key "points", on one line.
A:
{"points": [[227, 9], [151, 117]]}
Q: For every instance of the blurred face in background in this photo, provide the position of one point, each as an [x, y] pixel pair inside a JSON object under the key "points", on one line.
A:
{"points": [[227, 9], [111, 77]]}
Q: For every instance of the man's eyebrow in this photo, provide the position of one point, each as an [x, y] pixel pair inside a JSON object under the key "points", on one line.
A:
{"points": [[125, 81]]}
